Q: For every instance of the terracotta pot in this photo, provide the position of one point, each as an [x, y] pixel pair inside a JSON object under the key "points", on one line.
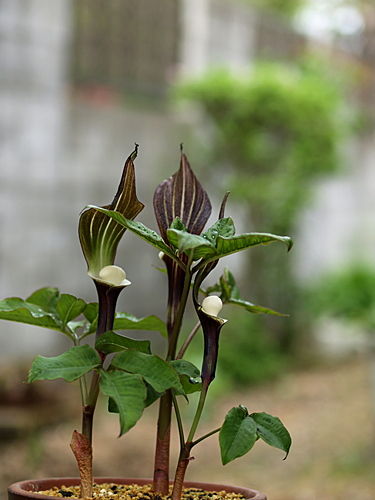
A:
{"points": [[26, 489]]}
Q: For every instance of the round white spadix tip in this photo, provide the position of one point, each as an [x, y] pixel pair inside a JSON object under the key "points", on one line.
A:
{"points": [[212, 305], [161, 255], [113, 275]]}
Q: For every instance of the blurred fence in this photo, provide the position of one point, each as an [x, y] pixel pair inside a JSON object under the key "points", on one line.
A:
{"points": [[139, 45], [131, 45]]}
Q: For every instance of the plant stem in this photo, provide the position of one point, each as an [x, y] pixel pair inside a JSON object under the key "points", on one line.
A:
{"points": [[161, 465], [198, 413], [205, 436], [183, 462], [82, 380], [89, 408], [184, 458], [181, 353], [107, 306], [179, 421], [181, 310]]}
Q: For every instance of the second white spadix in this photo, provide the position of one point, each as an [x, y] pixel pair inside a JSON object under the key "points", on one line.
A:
{"points": [[212, 305]]}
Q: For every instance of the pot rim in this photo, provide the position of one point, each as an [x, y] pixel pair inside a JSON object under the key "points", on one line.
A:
{"points": [[27, 488]]}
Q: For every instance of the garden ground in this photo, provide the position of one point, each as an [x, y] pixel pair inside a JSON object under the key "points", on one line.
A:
{"points": [[327, 410]]}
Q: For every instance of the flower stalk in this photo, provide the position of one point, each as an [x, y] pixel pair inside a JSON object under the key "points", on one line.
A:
{"points": [[181, 196]]}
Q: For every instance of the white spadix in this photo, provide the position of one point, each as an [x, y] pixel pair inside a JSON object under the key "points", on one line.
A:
{"points": [[114, 275], [212, 305]]}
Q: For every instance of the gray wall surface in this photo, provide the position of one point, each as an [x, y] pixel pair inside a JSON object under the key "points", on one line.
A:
{"points": [[57, 155], [60, 152]]}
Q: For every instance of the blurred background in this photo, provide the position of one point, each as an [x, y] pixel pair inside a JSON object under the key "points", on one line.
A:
{"points": [[275, 101]]}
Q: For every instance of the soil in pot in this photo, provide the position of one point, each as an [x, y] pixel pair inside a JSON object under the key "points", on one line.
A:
{"points": [[124, 489]]}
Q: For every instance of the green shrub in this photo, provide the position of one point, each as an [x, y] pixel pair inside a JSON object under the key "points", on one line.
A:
{"points": [[273, 133], [348, 293]]}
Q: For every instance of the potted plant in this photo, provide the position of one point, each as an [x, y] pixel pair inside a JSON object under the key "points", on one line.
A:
{"points": [[134, 378]]}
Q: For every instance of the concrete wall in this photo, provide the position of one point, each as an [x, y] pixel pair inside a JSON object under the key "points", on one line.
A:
{"points": [[338, 228], [33, 60], [58, 154]]}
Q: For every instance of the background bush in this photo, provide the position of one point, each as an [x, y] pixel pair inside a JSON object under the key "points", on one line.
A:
{"points": [[348, 293], [273, 133]]}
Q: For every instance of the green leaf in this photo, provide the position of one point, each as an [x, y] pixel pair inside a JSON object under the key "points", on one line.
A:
{"points": [[124, 321], [75, 325], [16, 309], [70, 365], [110, 342], [211, 289], [184, 367], [112, 406], [152, 395], [91, 313], [272, 431], [139, 229], [222, 227], [190, 384], [128, 393], [185, 242], [69, 307], [230, 294], [229, 286], [188, 374], [237, 435], [46, 298], [157, 372], [228, 246], [177, 224], [253, 308]]}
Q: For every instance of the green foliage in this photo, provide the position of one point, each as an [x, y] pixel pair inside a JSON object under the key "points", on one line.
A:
{"points": [[272, 431], [286, 7], [240, 431], [277, 129], [139, 229], [273, 132], [202, 246], [110, 342], [156, 372], [189, 375], [230, 294], [128, 393], [237, 435], [48, 308], [125, 321], [348, 293], [70, 365]]}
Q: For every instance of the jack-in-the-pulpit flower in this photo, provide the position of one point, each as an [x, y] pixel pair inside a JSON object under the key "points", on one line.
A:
{"points": [[211, 326], [99, 234], [179, 196]]}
